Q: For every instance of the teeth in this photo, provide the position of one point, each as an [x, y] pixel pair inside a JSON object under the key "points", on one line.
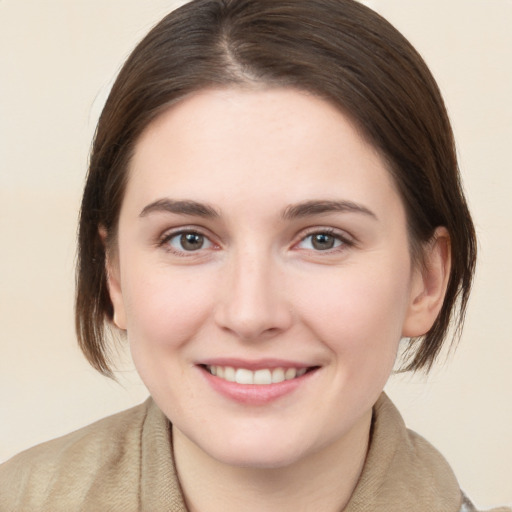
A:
{"points": [[261, 377], [229, 374], [278, 375], [290, 373], [243, 376]]}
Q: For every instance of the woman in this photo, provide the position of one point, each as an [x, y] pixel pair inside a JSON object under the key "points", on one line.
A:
{"points": [[272, 204]]}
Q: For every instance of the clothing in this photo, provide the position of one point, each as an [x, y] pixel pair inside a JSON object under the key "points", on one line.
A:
{"points": [[124, 463]]}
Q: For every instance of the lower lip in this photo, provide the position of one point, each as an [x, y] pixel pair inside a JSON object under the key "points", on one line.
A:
{"points": [[254, 394]]}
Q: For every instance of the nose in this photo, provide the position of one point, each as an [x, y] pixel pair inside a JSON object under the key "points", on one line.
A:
{"points": [[253, 303]]}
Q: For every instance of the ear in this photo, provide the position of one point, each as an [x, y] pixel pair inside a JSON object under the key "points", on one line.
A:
{"points": [[428, 287], [114, 282]]}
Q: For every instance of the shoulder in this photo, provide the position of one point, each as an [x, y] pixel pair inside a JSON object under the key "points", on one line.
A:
{"points": [[402, 467], [67, 469]]}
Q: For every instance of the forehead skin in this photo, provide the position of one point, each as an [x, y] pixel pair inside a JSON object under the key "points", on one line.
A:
{"points": [[203, 127]]}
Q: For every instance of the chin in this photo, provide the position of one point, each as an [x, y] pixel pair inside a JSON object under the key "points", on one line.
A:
{"points": [[260, 459], [258, 452]]}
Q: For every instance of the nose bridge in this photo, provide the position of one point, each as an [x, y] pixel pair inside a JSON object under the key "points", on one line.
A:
{"points": [[253, 303]]}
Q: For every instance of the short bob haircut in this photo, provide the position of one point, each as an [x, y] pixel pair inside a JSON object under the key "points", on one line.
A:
{"points": [[338, 50]]}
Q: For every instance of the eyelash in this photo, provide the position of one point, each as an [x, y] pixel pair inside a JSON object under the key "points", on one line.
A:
{"points": [[168, 237], [343, 241]]}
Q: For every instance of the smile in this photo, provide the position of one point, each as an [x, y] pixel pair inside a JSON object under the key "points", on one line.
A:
{"points": [[265, 376]]}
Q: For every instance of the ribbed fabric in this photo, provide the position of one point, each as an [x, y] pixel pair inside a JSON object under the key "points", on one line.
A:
{"points": [[124, 463]]}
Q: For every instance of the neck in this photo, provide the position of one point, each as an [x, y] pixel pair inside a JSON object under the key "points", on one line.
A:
{"points": [[323, 480]]}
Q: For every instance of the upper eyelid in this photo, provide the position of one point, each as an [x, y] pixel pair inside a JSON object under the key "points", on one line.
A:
{"points": [[170, 232], [336, 232]]}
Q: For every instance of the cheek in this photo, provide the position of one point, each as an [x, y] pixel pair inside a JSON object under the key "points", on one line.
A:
{"points": [[360, 314], [166, 308]]}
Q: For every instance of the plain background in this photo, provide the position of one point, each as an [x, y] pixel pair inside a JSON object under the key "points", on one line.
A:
{"points": [[57, 61]]}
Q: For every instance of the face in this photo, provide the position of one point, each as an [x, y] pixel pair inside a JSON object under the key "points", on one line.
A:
{"points": [[262, 273]]}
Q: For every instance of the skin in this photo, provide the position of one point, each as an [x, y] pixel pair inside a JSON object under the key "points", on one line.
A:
{"points": [[255, 286]]}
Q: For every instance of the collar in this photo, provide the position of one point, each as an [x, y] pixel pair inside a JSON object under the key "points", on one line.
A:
{"points": [[402, 472]]}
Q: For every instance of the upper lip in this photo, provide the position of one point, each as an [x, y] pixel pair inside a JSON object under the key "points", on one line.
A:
{"points": [[254, 365]]}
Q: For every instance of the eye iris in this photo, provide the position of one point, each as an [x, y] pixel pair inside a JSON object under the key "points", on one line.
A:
{"points": [[191, 241], [322, 241]]}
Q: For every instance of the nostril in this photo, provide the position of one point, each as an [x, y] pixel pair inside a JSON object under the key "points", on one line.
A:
{"points": [[251, 308]]}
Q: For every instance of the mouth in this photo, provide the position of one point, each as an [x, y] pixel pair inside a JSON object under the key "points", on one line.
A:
{"points": [[257, 383], [261, 377]]}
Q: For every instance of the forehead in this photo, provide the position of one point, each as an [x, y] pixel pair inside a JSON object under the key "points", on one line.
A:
{"points": [[268, 143]]}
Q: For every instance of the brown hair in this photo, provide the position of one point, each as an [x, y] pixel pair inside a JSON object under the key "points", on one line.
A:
{"points": [[336, 49]]}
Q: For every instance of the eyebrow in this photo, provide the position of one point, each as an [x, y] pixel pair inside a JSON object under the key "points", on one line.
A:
{"points": [[304, 209], [185, 207], [309, 208]]}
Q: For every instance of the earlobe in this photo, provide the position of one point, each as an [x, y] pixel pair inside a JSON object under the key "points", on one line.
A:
{"points": [[114, 283], [428, 287]]}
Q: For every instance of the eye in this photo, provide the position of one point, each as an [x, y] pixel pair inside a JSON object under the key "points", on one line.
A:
{"points": [[321, 241], [187, 241]]}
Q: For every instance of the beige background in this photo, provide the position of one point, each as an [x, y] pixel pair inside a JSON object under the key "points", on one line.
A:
{"points": [[57, 59]]}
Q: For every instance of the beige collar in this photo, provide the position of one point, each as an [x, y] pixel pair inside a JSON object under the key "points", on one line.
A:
{"points": [[402, 471]]}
